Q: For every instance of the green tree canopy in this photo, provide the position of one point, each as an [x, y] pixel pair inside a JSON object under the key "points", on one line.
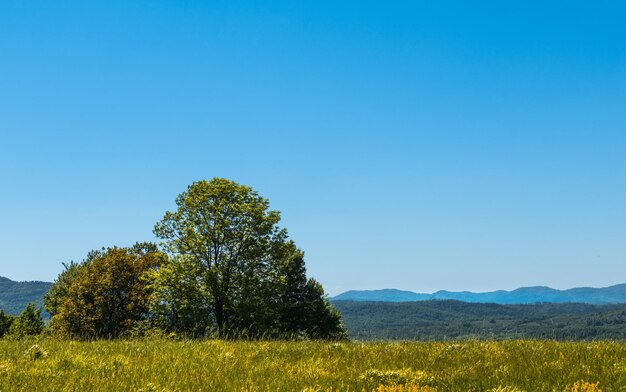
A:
{"points": [[233, 270], [28, 323], [106, 294]]}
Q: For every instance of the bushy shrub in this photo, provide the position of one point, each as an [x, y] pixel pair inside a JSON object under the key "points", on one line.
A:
{"points": [[104, 296]]}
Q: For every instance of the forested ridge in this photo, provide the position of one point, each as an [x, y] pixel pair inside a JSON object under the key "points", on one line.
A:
{"points": [[448, 319], [15, 296]]}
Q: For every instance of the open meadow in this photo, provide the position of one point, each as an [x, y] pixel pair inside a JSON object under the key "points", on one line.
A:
{"points": [[214, 365]]}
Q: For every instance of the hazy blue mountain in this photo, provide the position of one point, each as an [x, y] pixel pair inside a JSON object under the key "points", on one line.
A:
{"points": [[524, 295], [14, 296], [384, 295]]}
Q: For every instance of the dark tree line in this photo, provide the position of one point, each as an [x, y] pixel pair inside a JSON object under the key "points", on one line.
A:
{"points": [[449, 319]]}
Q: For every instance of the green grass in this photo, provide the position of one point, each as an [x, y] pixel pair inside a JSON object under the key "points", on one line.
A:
{"points": [[172, 365]]}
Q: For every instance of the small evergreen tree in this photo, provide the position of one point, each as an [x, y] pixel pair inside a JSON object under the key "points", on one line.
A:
{"points": [[28, 323], [304, 308]]}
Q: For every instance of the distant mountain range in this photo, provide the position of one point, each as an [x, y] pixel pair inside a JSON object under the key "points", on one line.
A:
{"points": [[525, 295], [14, 296]]}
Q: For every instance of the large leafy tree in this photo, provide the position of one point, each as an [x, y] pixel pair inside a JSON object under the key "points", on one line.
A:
{"points": [[106, 295], [230, 267]]}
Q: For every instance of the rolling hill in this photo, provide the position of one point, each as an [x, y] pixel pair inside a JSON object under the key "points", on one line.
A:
{"points": [[14, 296]]}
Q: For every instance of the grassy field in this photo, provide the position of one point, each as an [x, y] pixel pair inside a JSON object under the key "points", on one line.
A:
{"points": [[172, 365]]}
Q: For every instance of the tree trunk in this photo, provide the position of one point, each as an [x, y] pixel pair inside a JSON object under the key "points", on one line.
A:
{"points": [[219, 317]]}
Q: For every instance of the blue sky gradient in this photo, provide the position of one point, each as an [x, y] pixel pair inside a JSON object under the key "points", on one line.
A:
{"points": [[415, 145]]}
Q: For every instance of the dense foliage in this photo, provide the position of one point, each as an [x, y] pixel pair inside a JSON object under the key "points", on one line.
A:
{"points": [[15, 296], [233, 271], [441, 320], [210, 365], [28, 323], [104, 296]]}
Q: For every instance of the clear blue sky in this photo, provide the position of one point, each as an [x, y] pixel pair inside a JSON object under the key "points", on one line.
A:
{"points": [[418, 145]]}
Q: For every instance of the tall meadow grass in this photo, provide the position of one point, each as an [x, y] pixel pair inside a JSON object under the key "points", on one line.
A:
{"points": [[162, 364]]}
